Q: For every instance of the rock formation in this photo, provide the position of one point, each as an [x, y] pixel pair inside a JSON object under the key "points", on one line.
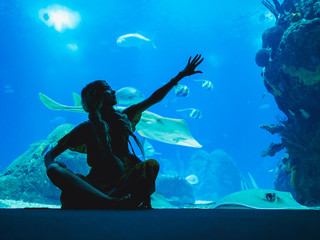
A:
{"points": [[292, 76]]}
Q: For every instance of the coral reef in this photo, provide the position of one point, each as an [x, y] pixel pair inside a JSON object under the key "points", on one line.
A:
{"points": [[292, 76], [25, 178], [262, 57], [282, 176], [218, 174], [176, 189]]}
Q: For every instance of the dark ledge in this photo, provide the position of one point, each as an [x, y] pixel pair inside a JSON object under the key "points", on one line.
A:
{"points": [[159, 224]]}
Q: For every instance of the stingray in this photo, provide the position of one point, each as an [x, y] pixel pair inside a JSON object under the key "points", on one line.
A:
{"points": [[151, 125], [257, 199]]}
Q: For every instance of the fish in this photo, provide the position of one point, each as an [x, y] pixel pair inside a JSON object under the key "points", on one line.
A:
{"points": [[134, 40], [304, 113], [264, 95], [129, 96], [44, 148], [8, 89], [72, 46], [194, 112], [182, 91], [264, 106], [206, 84], [149, 150], [192, 179], [151, 125]]}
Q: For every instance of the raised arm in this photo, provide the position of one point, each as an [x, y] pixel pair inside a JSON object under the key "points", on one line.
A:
{"points": [[159, 94]]}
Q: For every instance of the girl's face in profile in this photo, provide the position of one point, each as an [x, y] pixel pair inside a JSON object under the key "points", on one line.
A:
{"points": [[109, 96]]}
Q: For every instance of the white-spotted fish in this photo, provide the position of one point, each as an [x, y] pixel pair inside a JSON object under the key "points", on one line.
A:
{"points": [[206, 84], [194, 112], [134, 40], [182, 91]]}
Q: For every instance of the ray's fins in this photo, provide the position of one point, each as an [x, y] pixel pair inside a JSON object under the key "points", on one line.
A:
{"points": [[151, 125], [76, 99]]}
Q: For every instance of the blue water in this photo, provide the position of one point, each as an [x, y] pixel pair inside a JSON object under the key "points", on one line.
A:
{"points": [[35, 58]]}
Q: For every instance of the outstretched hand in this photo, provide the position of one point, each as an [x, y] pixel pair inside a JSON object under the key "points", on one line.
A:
{"points": [[191, 66]]}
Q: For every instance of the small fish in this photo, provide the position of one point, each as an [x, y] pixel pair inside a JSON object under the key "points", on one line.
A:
{"points": [[264, 106], [8, 89], [304, 113], [45, 148], [194, 113], [192, 179], [206, 84], [264, 95], [129, 96], [134, 40], [72, 46], [182, 91], [292, 113], [149, 150]]}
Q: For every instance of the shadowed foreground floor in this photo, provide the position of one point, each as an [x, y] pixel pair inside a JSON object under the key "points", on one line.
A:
{"points": [[159, 224]]}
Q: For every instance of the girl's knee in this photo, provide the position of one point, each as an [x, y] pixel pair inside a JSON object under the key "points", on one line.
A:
{"points": [[153, 164], [54, 172]]}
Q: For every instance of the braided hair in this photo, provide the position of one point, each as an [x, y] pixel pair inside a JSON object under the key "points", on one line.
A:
{"points": [[92, 98]]}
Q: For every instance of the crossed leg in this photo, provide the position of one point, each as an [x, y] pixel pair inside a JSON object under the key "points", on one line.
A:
{"points": [[139, 182], [80, 194]]}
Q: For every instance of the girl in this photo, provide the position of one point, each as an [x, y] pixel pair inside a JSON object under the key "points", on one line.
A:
{"points": [[117, 179]]}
